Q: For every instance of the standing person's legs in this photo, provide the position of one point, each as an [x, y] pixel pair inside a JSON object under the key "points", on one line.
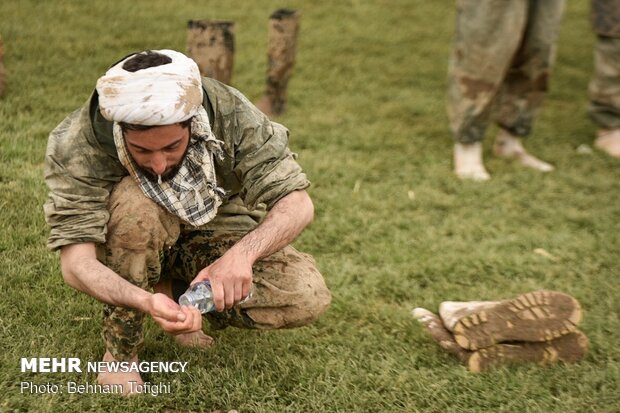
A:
{"points": [[138, 232], [604, 91], [604, 88], [288, 291], [487, 35], [527, 82]]}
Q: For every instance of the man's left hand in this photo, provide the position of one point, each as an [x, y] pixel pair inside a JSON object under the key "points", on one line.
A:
{"points": [[230, 277]]}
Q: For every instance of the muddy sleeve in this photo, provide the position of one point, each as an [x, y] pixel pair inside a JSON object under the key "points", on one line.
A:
{"points": [[79, 176], [264, 164]]}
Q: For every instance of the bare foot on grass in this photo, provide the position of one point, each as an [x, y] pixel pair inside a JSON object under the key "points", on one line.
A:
{"points": [[468, 162], [510, 147], [196, 339], [608, 141], [128, 380]]}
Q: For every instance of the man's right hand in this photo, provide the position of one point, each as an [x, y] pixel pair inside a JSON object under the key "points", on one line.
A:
{"points": [[82, 271], [173, 318]]}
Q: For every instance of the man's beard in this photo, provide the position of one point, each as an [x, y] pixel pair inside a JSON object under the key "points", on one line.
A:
{"points": [[154, 178]]}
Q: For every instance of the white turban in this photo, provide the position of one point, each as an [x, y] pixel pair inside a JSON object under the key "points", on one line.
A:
{"points": [[160, 95]]}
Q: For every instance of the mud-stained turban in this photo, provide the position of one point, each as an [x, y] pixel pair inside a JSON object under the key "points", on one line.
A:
{"points": [[160, 95]]}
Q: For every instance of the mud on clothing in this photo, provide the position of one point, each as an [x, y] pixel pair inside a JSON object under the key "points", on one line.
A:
{"points": [[92, 199], [500, 64]]}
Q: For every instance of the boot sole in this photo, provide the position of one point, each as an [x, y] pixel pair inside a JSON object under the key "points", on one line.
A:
{"points": [[568, 348], [536, 316]]}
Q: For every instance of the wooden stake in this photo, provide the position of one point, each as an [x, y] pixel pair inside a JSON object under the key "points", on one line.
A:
{"points": [[211, 43], [283, 32]]}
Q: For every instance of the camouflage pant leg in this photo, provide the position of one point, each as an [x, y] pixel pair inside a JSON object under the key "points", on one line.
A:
{"points": [[606, 18], [138, 232], [487, 36], [288, 290], [604, 88], [527, 80]]}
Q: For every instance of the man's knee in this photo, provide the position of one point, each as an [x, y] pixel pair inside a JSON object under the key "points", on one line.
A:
{"points": [[138, 231], [292, 297], [136, 222], [315, 297]]}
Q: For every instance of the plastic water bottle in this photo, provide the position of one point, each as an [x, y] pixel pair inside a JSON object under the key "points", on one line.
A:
{"points": [[200, 296]]}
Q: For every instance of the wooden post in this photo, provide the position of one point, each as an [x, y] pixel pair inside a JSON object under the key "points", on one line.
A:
{"points": [[211, 43], [283, 31], [2, 73]]}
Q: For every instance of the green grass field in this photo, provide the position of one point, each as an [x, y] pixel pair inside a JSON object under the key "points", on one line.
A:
{"points": [[393, 229]]}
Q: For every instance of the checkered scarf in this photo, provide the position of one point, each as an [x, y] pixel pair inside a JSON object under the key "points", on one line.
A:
{"points": [[192, 194]]}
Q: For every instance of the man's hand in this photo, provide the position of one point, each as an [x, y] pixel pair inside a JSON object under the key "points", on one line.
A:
{"points": [[230, 277], [231, 274], [82, 271], [173, 318]]}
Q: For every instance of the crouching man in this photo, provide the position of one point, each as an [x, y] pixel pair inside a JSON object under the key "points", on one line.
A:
{"points": [[163, 179]]}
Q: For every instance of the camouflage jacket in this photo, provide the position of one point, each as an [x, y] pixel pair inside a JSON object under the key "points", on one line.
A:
{"points": [[606, 17], [82, 166]]}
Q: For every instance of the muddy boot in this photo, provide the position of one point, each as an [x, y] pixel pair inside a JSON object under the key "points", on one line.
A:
{"points": [[283, 30], [536, 316], [442, 336], [2, 73], [212, 46], [568, 349]]}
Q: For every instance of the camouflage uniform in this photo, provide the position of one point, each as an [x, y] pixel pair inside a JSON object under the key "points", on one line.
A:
{"points": [[500, 64], [92, 199], [604, 89]]}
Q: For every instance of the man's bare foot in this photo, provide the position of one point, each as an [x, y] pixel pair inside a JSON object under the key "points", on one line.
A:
{"points": [[510, 147], [196, 339], [608, 141], [127, 380], [468, 162]]}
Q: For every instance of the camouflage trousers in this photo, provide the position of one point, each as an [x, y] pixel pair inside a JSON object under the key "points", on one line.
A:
{"points": [[146, 244], [500, 64], [606, 17], [604, 88]]}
